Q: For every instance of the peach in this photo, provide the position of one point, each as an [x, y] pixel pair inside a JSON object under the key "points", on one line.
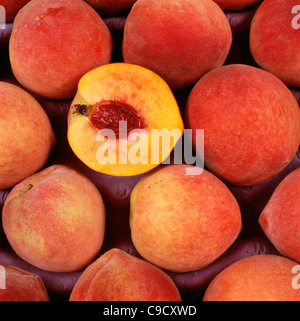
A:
{"points": [[12, 7], [182, 222], [55, 219], [264, 277], [116, 95], [55, 42], [111, 7], [180, 40], [20, 285], [118, 276], [281, 215], [251, 122], [275, 39], [236, 4], [27, 137]]}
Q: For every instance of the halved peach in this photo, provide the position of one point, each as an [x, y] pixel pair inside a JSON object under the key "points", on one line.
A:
{"points": [[124, 120]]}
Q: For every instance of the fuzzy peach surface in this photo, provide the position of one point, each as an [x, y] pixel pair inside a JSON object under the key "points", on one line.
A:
{"points": [[178, 39], [55, 219], [251, 122], [27, 137], [281, 216], [118, 276], [21, 285], [261, 277], [275, 39], [182, 222], [54, 43]]}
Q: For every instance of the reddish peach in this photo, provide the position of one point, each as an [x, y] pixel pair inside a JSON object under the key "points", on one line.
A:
{"points": [[118, 276], [281, 216], [55, 42], [182, 222], [236, 4], [20, 285], [111, 7], [262, 277], [12, 7], [275, 39], [27, 138], [180, 40], [251, 122], [55, 219]]}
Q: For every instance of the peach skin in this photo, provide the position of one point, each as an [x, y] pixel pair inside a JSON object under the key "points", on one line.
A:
{"points": [[118, 276], [182, 222], [55, 219], [54, 43]]}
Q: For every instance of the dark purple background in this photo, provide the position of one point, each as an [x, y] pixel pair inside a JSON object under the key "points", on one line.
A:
{"points": [[116, 190]]}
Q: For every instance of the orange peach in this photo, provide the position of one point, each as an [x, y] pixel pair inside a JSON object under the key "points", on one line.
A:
{"points": [[251, 122], [236, 4], [55, 219], [20, 285], [280, 217], [12, 7], [118, 276], [180, 40], [54, 43], [263, 277], [275, 39], [27, 138], [182, 222], [113, 115], [111, 7]]}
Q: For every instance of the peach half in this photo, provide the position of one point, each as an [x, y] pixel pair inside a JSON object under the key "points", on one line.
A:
{"points": [[182, 222], [54, 43], [124, 120], [55, 219], [119, 276]]}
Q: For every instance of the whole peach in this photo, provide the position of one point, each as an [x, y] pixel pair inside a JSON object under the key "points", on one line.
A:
{"points": [[118, 276], [55, 219], [264, 277], [275, 39], [54, 43], [182, 222], [251, 122], [180, 40], [281, 216], [20, 285], [27, 138]]}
